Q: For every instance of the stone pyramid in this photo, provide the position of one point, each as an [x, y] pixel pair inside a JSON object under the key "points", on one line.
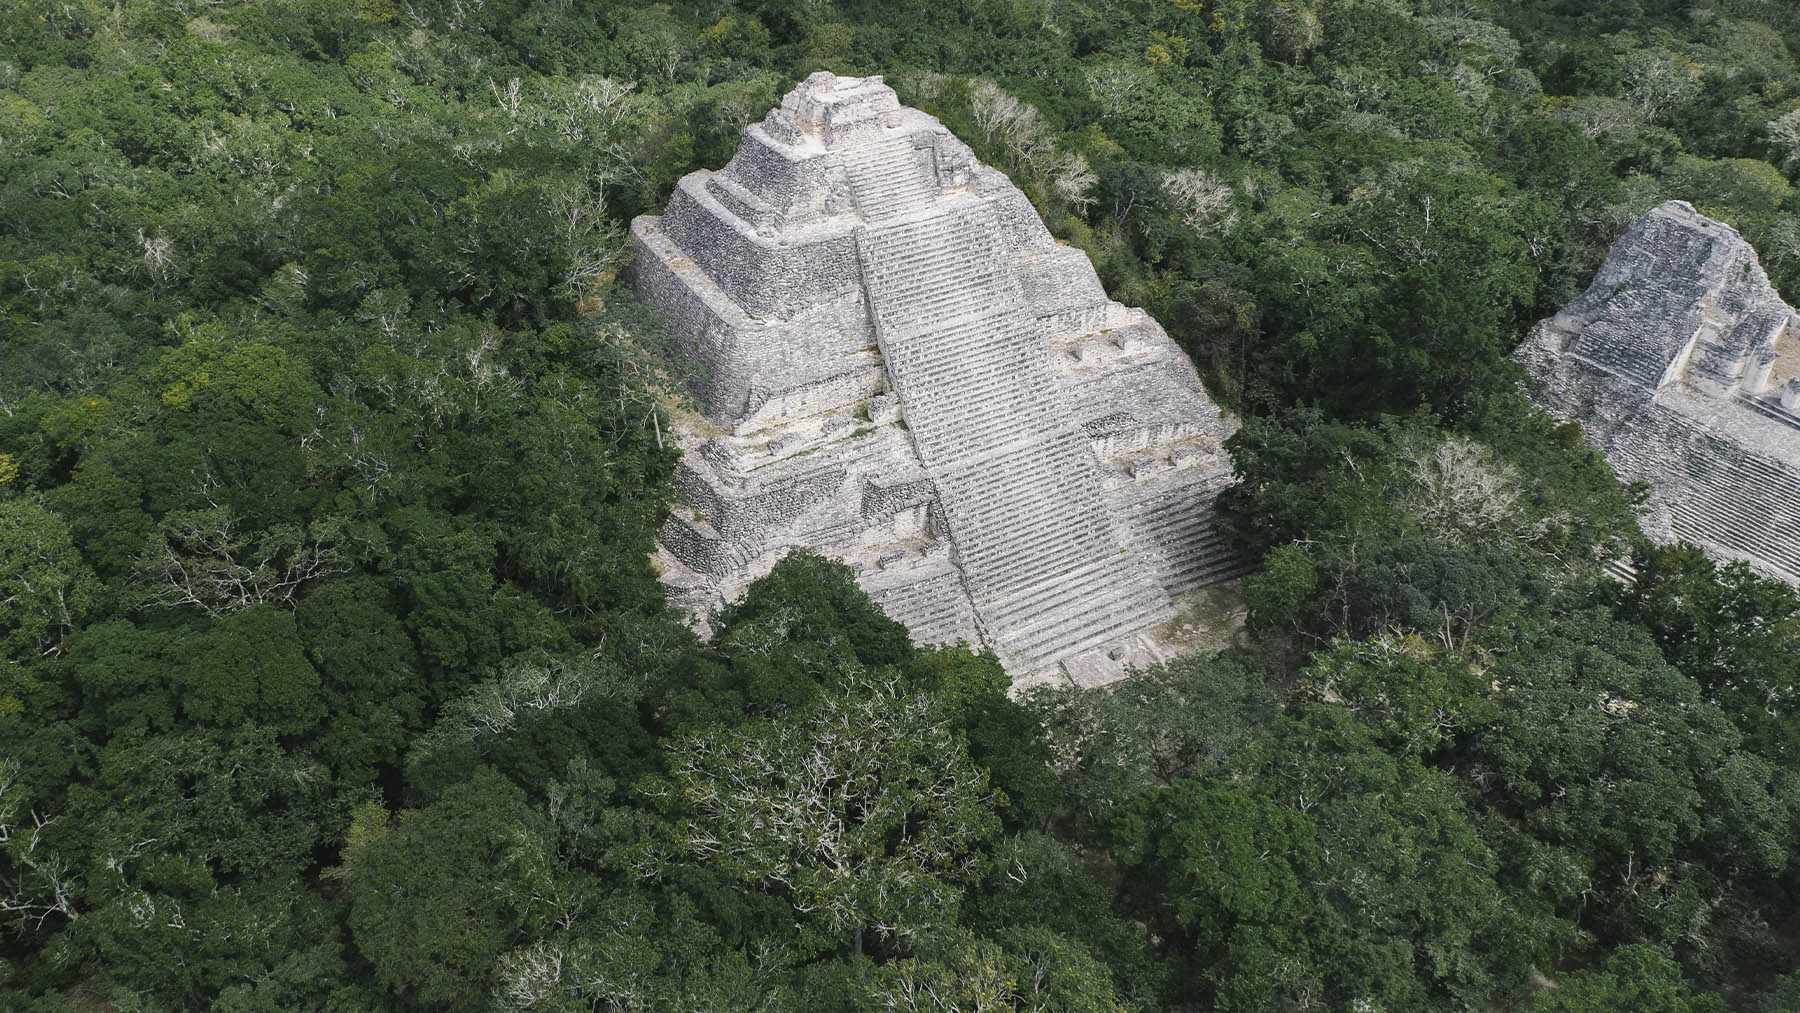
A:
{"points": [[899, 367], [1682, 364]]}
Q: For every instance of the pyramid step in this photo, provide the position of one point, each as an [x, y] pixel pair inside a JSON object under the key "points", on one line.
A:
{"points": [[1082, 627], [1028, 607]]}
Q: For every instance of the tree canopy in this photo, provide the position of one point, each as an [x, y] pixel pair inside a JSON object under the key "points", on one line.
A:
{"points": [[335, 672]]}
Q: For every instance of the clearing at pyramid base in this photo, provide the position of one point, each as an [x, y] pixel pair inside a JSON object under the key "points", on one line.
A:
{"points": [[1682, 365], [899, 367]]}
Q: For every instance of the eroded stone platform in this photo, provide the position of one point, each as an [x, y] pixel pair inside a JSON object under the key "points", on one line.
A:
{"points": [[1682, 365], [900, 367]]}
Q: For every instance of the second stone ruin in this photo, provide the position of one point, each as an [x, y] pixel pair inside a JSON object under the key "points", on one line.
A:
{"points": [[899, 367], [1682, 365]]}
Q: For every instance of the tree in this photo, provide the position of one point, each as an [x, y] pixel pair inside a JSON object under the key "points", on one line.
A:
{"points": [[1659, 81], [1781, 994], [863, 811], [438, 895], [1185, 718], [1603, 751], [1228, 872], [46, 589], [529, 720], [1636, 977], [1202, 200], [627, 955], [1734, 633], [1291, 483], [1407, 296], [249, 667], [1031, 968], [1415, 700], [796, 633], [177, 870], [1398, 529], [1039, 881], [1412, 899], [374, 689], [1004, 738], [1784, 134], [205, 560]]}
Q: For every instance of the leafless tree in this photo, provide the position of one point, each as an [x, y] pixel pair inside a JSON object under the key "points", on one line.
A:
{"points": [[201, 559], [158, 255], [1458, 486], [592, 241], [1784, 132], [1116, 86], [1658, 81], [520, 688], [39, 884], [1021, 129], [1204, 201], [864, 809], [1074, 179]]}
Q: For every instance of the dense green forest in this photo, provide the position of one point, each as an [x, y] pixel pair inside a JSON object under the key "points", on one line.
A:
{"points": [[336, 675]]}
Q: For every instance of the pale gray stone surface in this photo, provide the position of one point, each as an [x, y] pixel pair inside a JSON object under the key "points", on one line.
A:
{"points": [[1680, 364], [900, 367]]}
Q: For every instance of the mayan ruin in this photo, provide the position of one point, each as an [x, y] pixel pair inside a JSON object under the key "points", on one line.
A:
{"points": [[899, 367], [1682, 365]]}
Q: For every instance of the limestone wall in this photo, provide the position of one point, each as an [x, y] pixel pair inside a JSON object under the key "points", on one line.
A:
{"points": [[799, 187], [769, 278], [702, 320]]}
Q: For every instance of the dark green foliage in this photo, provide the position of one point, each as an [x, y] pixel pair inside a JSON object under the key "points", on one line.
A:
{"points": [[1781, 994], [1024, 968], [248, 668], [1003, 737], [1229, 870], [370, 670], [1736, 634], [789, 639], [1414, 702], [1401, 527], [1602, 749], [1186, 718], [433, 904], [1038, 881], [1635, 977], [184, 857], [812, 589], [1280, 497]]}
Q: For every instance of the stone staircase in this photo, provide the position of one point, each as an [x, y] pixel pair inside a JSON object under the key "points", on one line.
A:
{"points": [[1183, 546], [1014, 515], [1716, 494], [1619, 357], [932, 608], [964, 356], [1015, 475], [888, 177], [1764, 523], [1074, 611]]}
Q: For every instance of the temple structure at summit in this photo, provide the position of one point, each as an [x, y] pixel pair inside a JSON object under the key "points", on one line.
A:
{"points": [[1682, 365], [899, 367]]}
